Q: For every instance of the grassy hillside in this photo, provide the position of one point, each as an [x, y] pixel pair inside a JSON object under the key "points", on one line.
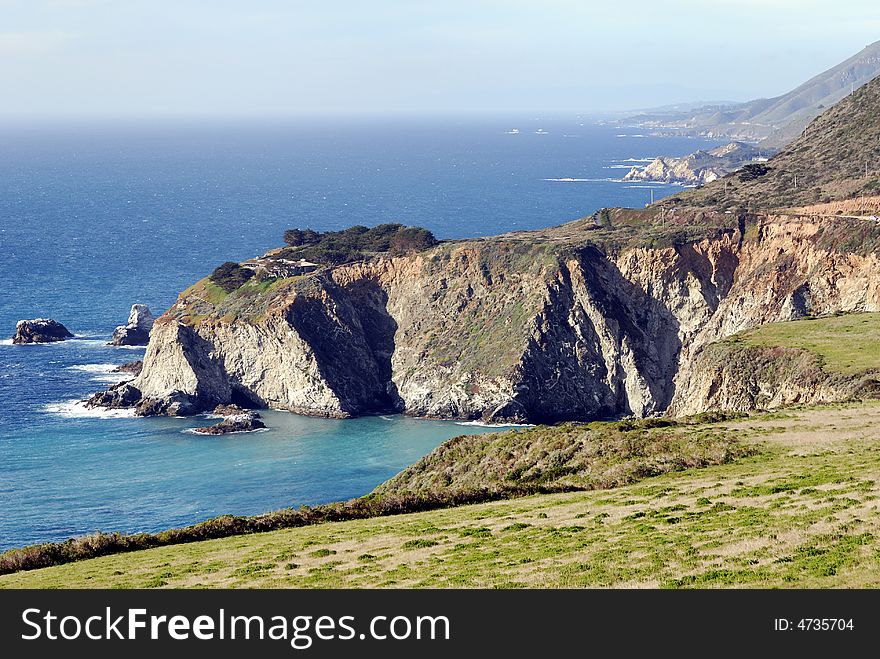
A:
{"points": [[801, 512], [576, 456], [847, 344], [826, 163]]}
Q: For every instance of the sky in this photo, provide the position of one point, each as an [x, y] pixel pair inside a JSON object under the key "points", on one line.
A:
{"points": [[274, 57]]}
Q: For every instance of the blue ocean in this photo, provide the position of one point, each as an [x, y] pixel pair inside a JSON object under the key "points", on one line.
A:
{"points": [[95, 216]]}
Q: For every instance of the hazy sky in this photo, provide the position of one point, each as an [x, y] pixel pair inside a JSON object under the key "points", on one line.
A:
{"points": [[280, 57]]}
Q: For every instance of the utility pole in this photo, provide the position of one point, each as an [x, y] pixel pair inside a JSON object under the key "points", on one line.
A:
{"points": [[652, 189]]}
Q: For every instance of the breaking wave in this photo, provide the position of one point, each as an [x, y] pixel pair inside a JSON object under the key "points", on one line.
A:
{"points": [[76, 409]]}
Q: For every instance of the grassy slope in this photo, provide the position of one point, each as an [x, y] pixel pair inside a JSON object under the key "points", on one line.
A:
{"points": [[571, 456], [846, 344], [803, 512]]}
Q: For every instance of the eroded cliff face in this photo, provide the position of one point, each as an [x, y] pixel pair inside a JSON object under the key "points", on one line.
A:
{"points": [[726, 376], [537, 327]]}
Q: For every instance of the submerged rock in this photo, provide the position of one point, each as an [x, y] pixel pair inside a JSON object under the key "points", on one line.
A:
{"points": [[235, 419], [137, 331], [40, 330]]}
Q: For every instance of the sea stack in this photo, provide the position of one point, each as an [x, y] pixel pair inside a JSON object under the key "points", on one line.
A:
{"points": [[137, 331], [40, 330]]}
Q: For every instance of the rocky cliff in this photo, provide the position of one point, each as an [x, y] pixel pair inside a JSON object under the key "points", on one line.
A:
{"points": [[599, 318], [729, 377], [700, 167]]}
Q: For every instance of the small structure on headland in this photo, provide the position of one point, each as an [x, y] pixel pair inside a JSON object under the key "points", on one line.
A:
{"points": [[280, 267]]}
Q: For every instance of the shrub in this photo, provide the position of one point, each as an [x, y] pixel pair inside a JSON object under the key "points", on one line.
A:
{"points": [[356, 243], [230, 276], [412, 239], [298, 237], [753, 171]]}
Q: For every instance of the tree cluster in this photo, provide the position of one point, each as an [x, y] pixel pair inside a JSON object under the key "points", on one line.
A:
{"points": [[357, 242]]}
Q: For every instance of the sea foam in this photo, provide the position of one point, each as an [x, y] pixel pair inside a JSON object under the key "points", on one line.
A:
{"points": [[76, 409], [102, 372]]}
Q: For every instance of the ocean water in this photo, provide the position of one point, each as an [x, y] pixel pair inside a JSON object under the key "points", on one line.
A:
{"points": [[97, 216]]}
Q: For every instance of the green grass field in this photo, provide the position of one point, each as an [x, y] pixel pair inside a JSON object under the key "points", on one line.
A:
{"points": [[801, 512], [847, 344]]}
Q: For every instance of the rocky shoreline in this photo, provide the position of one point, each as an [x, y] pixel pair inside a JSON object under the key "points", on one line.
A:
{"points": [[700, 167]]}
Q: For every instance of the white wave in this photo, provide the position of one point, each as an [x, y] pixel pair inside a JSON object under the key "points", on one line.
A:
{"points": [[629, 135], [112, 378], [93, 368], [657, 186], [84, 341], [618, 167], [484, 424], [634, 159], [102, 372], [75, 340], [76, 409], [129, 347]]}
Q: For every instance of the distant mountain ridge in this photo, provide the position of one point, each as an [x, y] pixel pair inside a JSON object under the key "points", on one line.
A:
{"points": [[836, 157], [773, 121]]}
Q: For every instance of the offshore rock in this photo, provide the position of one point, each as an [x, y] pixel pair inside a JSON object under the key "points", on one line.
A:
{"points": [[235, 420], [40, 330]]}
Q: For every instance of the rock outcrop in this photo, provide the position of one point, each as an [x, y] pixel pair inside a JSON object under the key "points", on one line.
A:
{"points": [[700, 167], [134, 368], [137, 331], [235, 420], [568, 323], [40, 330], [725, 376]]}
